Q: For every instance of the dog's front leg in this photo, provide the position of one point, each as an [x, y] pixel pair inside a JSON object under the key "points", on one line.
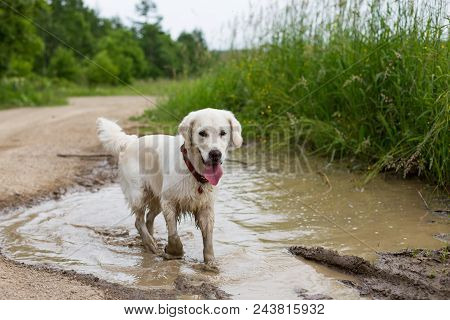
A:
{"points": [[205, 220], [174, 248]]}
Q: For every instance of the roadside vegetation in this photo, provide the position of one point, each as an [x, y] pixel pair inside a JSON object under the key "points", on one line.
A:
{"points": [[41, 91], [360, 80], [51, 49]]}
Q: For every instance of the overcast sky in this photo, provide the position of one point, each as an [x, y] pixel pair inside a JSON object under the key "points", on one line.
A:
{"points": [[213, 17]]}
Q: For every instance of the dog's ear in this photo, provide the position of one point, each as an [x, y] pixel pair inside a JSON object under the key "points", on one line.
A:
{"points": [[185, 129], [236, 131]]}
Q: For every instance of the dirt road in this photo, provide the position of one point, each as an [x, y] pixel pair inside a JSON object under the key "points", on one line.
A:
{"points": [[30, 139]]}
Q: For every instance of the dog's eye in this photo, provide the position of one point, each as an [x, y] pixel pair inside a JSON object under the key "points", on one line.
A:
{"points": [[203, 133], [222, 133]]}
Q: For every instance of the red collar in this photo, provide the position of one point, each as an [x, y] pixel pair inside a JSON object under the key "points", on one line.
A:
{"points": [[191, 168]]}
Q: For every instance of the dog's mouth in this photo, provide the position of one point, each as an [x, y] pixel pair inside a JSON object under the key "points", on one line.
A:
{"points": [[213, 173], [213, 170]]}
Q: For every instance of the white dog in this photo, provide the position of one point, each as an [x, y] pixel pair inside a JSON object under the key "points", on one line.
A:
{"points": [[174, 174]]}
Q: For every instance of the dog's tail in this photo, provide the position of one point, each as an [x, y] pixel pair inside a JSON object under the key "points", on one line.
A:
{"points": [[112, 137]]}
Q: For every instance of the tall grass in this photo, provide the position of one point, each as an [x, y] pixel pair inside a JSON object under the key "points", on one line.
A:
{"points": [[366, 80]]}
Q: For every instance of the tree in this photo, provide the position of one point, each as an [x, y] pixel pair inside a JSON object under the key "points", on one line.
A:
{"points": [[125, 52], [19, 41], [161, 52], [72, 23], [63, 64], [107, 74], [69, 32], [145, 8], [194, 52]]}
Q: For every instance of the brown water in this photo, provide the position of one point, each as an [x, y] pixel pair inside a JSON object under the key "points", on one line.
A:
{"points": [[258, 216]]}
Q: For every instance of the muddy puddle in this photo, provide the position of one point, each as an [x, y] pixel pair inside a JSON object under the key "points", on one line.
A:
{"points": [[259, 215]]}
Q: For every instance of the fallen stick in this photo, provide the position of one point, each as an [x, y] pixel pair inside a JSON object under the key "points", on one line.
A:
{"points": [[424, 201], [87, 156], [327, 181]]}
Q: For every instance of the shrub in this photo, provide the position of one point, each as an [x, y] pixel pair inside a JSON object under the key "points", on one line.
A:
{"points": [[102, 70], [19, 67], [125, 53], [64, 65], [30, 91]]}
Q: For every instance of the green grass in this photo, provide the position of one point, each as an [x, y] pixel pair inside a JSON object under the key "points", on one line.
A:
{"points": [[369, 86], [32, 91], [159, 87], [39, 91]]}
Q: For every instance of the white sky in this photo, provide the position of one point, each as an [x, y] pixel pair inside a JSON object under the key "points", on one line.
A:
{"points": [[213, 17]]}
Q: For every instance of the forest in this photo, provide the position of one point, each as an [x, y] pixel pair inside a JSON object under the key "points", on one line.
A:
{"points": [[58, 42]]}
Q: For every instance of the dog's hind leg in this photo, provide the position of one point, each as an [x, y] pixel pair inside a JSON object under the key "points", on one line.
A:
{"points": [[147, 239], [151, 215], [174, 248], [153, 206]]}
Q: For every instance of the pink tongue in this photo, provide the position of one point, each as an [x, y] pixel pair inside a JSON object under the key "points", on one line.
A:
{"points": [[213, 174]]}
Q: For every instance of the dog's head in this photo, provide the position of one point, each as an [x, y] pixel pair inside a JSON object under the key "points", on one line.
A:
{"points": [[208, 134]]}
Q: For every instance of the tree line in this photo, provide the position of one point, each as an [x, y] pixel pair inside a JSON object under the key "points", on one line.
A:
{"points": [[65, 39]]}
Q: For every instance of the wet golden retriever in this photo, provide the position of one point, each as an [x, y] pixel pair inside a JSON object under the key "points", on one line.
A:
{"points": [[174, 174]]}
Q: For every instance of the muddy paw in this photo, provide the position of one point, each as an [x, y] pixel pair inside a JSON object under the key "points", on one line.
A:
{"points": [[167, 256], [174, 247], [151, 249], [211, 267]]}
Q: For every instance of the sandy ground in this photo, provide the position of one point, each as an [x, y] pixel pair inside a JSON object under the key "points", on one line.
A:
{"points": [[30, 139], [20, 282]]}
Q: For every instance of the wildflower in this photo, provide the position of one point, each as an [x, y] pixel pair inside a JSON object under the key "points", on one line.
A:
{"points": [[302, 82], [353, 78], [386, 99]]}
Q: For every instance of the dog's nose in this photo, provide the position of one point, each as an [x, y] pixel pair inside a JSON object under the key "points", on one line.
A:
{"points": [[215, 155]]}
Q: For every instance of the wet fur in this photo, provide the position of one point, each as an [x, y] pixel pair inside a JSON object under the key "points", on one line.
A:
{"points": [[144, 191]]}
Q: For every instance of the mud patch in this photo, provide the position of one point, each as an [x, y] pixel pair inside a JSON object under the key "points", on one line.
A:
{"points": [[90, 177], [304, 294], [444, 237], [407, 274], [93, 233], [205, 290], [115, 236], [184, 287]]}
